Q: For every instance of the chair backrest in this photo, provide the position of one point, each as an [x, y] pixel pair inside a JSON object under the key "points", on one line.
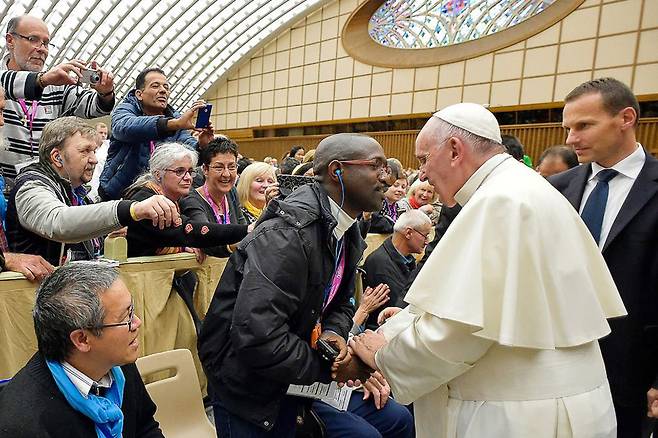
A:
{"points": [[178, 398]]}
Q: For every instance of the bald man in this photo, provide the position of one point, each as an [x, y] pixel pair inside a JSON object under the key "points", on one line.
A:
{"points": [[35, 97], [500, 335], [288, 284]]}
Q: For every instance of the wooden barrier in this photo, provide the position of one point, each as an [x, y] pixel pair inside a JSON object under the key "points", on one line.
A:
{"points": [[400, 144]]}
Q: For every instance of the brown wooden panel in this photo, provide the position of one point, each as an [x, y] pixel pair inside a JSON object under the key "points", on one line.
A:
{"points": [[400, 144]]}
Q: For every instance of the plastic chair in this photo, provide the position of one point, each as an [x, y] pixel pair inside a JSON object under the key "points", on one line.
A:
{"points": [[178, 398]]}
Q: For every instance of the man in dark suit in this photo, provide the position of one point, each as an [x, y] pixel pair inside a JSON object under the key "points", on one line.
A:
{"points": [[615, 189]]}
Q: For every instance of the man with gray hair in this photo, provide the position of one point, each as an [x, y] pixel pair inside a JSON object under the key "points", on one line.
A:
{"points": [[82, 382], [35, 97], [500, 335], [393, 262], [49, 213]]}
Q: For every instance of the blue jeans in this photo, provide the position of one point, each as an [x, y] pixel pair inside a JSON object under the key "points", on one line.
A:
{"points": [[362, 419], [229, 425]]}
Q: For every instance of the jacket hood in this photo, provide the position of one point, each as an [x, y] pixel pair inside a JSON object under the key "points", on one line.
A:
{"points": [[303, 206]]}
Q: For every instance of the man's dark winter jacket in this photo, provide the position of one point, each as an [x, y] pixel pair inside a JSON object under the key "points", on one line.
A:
{"points": [[32, 406], [130, 144], [255, 340]]}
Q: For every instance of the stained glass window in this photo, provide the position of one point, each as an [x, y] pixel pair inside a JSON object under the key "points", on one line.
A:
{"points": [[421, 24]]}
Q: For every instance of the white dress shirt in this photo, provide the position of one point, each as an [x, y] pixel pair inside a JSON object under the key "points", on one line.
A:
{"points": [[83, 382], [619, 187]]}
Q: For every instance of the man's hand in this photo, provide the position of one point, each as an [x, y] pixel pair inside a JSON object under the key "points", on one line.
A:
{"points": [[652, 403], [188, 119], [378, 387], [106, 84], [353, 372], [162, 212], [206, 135], [34, 267], [66, 73], [386, 314], [373, 299], [339, 344], [366, 345]]}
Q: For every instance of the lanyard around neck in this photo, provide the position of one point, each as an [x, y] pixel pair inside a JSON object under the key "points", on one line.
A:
{"points": [[29, 115], [221, 218]]}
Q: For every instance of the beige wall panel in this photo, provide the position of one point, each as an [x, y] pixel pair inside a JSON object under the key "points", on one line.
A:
{"points": [[576, 56], [451, 74], [616, 50], [255, 84], [328, 50], [327, 71], [361, 69], [343, 89], [313, 32], [325, 91], [588, 3], [283, 42], [254, 118], [243, 85], [312, 53], [282, 60], [231, 120], [549, 36], [344, 68], [244, 71], [254, 102], [267, 99], [257, 66], [232, 88], [243, 120], [505, 93], [648, 50], [381, 83], [347, 6], [478, 69], [448, 96], [311, 73], [361, 86], [514, 47], [281, 79], [325, 110], [401, 103], [232, 104], [537, 90], [221, 121], [567, 82], [220, 106], [477, 93], [380, 106], [403, 80], [310, 93], [427, 78], [507, 66], [294, 95], [650, 14], [645, 79], [297, 37], [222, 91], [269, 63], [268, 81], [624, 74], [309, 112], [341, 109], [620, 17], [540, 61], [270, 48], [424, 102], [360, 108], [295, 76], [331, 10], [580, 24], [266, 116], [330, 28], [294, 114], [279, 116], [280, 97], [297, 57], [315, 17]]}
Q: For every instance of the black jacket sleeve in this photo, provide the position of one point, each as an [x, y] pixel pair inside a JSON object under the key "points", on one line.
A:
{"points": [[192, 207]]}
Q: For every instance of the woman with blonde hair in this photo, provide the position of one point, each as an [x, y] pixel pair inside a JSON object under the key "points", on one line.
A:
{"points": [[423, 197], [257, 185]]}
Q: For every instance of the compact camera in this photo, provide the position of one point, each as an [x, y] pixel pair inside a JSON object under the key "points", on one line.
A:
{"points": [[90, 76]]}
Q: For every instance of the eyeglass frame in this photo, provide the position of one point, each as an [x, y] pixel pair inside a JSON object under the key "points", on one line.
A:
{"points": [[425, 236], [129, 323], [223, 168], [182, 172], [35, 39], [384, 169]]}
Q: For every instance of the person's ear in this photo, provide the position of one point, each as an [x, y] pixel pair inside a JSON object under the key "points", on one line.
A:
{"points": [[9, 41], [56, 158], [205, 169], [628, 116], [138, 94], [335, 171], [80, 340]]}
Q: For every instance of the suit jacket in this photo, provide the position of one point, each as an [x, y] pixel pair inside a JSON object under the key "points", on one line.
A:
{"points": [[630, 352], [32, 406]]}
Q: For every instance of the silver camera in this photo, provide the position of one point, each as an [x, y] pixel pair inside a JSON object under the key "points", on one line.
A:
{"points": [[90, 76]]}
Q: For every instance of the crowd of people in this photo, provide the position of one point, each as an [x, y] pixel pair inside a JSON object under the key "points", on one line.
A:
{"points": [[487, 308]]}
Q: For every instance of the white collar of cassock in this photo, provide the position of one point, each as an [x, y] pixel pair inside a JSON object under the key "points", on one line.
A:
{"points": [[344, 219], [476, 180]]}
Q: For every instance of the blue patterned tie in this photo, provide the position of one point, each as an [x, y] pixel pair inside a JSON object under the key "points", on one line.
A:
{"points": [[595, 206]]}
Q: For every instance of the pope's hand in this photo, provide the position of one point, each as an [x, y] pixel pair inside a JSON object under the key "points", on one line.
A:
{"points": [[386, 314], [366, 345]]}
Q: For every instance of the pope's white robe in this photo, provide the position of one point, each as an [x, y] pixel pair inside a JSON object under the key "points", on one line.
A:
{"points": [[500, 337]]}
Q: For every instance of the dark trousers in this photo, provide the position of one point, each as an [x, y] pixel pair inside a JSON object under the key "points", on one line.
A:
{"points": [[632, 422], [229, 425], [362, 419]]}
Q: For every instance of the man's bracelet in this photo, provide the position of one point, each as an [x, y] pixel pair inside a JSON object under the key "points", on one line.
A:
{"points": [[132, 212], [40, 80]]}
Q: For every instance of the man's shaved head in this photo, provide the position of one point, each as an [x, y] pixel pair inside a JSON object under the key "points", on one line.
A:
{"points": [[341, 147]]}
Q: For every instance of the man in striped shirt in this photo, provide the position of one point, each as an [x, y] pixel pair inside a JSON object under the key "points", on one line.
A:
{"points": [[35, 97]]}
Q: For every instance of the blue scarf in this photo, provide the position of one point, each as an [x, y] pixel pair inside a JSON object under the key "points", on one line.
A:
{"points": [[105, 412]]}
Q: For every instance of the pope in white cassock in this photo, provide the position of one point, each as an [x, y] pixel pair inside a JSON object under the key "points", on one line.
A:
{"points": [[500, 335]]}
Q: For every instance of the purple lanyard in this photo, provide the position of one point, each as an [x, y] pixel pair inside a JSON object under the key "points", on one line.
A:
{"points": [[392, 210], [152, 144], [336, 278], [220, 218], [29, 116]]}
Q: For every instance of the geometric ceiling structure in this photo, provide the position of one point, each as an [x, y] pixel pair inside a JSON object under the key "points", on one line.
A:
{"points": [[196, 42]]}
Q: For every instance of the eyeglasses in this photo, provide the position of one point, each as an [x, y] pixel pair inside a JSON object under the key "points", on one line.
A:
{"points": [[377, 164], [425, 236], [232, 168], [35, 41], [129, 323], [181, 172], [422, 160]]}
